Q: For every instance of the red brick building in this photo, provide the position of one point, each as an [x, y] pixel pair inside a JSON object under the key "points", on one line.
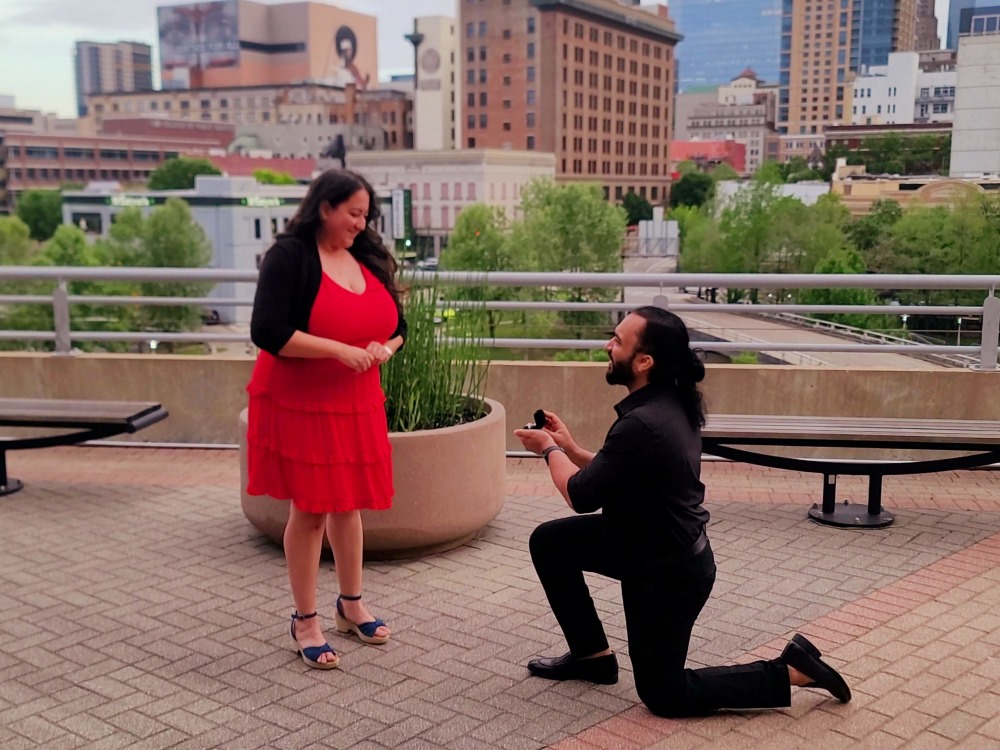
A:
{"points": [[589, 80], [50, 161], [707, 154]]}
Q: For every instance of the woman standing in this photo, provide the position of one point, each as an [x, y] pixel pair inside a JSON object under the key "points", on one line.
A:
{"points": [[326, 315]]}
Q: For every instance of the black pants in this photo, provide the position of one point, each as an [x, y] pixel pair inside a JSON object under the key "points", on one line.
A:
{"points": [[661, 605]]}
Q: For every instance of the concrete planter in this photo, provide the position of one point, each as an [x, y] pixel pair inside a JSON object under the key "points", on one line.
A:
{"points": [[450, 483]]}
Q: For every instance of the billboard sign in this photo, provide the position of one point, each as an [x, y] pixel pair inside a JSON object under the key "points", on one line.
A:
{"points": [[199, 35]]}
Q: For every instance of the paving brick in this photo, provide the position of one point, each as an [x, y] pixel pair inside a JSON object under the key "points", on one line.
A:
{"points": [[171, 610]]}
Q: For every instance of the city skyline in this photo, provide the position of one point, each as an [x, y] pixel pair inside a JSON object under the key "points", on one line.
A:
{"points": [[36, 53]]}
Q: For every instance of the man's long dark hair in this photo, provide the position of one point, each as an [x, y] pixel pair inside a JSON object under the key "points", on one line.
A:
{"points": [[675, 365], [333, 187]]}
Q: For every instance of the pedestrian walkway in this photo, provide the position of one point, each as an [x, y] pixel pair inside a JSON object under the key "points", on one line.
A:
{"points": [[754, 329], [139, 609]]}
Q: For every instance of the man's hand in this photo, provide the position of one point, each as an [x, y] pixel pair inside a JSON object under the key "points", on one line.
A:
{"points": [[534, 440], [559, 431]]}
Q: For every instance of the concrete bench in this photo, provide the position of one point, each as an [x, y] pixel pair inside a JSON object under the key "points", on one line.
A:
{"points": [[734, 436], [85, 420]]}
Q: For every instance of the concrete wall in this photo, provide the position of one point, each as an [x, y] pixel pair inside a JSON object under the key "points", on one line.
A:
{"points": [[975, 140], [205, 394]]}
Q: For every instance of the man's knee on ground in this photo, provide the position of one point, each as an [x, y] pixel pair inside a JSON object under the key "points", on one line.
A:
{"points": [[666, 698], [545, 538]]}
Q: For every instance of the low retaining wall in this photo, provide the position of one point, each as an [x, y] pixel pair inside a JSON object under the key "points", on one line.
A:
{"points": [[205, 394]]}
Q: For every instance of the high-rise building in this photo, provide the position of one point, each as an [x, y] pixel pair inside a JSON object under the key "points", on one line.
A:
{"points": [[927, 27], [826, 43], [721, 36], [437, 84], [815, 78], [879, 27], [975, 140], [971, 16], [243, 43], [117, 66], [589, 80]]}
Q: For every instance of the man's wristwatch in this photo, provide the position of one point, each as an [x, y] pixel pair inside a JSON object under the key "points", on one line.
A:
{"points": [[550, 449]]}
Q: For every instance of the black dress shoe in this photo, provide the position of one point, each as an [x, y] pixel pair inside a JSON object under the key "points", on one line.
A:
{"points": [[807, 645], [803, 656], [602, 670]]}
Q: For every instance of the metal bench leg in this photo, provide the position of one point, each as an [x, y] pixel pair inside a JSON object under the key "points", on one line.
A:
{"points": [[875, 508], [852, 515], [829, 492], [7, 486]]}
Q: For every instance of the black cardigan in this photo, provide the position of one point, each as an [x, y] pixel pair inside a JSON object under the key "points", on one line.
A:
{"points": [[289, 281]]}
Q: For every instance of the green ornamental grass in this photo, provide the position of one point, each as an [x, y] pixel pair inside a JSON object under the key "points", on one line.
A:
{"points": [[438, 379]]}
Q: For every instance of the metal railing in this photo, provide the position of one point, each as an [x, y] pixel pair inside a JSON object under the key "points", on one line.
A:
{"points": [[865, 335], [984, 355]]}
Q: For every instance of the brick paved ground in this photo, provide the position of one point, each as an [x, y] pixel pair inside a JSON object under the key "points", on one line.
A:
{"points": [[138, 609]]}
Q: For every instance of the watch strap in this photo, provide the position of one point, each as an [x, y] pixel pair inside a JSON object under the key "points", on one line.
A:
{"points": [[550, 449]]}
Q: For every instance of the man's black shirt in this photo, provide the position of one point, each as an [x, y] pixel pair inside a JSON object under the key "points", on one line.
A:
{"points": [[646, 477]]}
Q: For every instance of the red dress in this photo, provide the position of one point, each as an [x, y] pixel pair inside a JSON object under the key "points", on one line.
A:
{"points": [[318, 433]]}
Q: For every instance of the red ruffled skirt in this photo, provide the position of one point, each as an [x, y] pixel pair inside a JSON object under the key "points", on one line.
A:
{"points": [[328, 457]]}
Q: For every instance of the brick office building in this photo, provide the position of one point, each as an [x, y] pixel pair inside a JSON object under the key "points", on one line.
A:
{"points": [[294, 104], [591, 81], [38, 160]]}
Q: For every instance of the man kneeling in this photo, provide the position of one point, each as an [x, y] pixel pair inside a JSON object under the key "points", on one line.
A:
{"points": [[650, 536]]}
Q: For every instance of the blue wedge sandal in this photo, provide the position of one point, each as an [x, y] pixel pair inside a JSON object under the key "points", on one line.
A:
{"points": [[365, 630], [311, 654]]}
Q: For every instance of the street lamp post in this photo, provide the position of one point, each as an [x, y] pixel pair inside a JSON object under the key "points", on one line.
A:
{"points": [[958, 340], [904, 317]]}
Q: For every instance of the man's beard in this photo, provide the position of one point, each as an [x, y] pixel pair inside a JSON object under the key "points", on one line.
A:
{"points": [[620, 373]]}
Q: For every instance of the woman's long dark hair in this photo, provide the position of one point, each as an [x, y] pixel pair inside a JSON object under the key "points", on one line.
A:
{"points": [[675, 365], [333, 187]]}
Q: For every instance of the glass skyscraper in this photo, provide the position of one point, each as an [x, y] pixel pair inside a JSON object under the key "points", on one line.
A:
{"points": [[872, 33], [723, 37], [961, 14]]}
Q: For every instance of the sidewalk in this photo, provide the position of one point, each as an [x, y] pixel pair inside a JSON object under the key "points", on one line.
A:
{"points": [[139, 609]]}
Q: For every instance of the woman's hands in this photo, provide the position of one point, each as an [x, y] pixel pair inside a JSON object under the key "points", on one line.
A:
{"points": [[355, 357], [380, 352], [361, 360]]}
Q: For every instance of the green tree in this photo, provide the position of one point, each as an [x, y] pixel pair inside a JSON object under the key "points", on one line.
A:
{"points": [[41, 210], [271, 177], [692, 190], [571, 228], [480, 242], [16, 247], [124, 245], [637, 208], [173, 239], [843, 261], [687, 167], [179, 173], [870, 233], [797, 169], [724, 171], [699, 238], [68, 247], [770, 172], [746, 242]]}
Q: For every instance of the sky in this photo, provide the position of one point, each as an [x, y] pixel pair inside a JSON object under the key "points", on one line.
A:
{"points": [[37, 37]]}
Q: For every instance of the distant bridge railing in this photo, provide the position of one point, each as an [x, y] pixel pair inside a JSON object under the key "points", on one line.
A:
{"points": [[982, 356]]}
